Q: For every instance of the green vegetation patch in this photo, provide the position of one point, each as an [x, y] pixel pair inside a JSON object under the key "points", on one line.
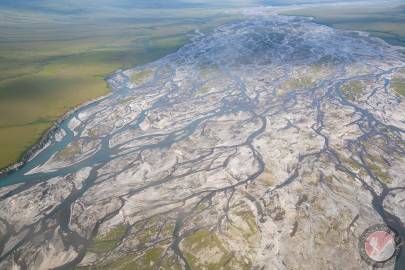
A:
{"points": [[146, 261], [146, 231], [70, 151], [153, 228], [108, 241], [267, 177], [210, 71], [147, 234], [125, 100], [332, 228], [300, 83], [379, 168], [2, 232], [205, 250], [149, 260], [381, 20], [203, 90], [398, 85], [352, 90], [92, 133], [250, 219], [141, 77], [167, 229]]}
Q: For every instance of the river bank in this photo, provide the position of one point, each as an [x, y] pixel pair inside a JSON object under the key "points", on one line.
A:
{"points": [[45, 138]]}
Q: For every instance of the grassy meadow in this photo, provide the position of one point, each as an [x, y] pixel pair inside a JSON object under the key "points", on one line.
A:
{"points": [[384, 20], [53, 60]]}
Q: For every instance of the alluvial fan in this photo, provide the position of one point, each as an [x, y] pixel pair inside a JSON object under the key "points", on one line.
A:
{"points": [[271, 143]]}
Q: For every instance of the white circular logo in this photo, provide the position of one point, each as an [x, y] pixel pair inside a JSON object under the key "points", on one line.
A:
{"points": [[379, 245]]}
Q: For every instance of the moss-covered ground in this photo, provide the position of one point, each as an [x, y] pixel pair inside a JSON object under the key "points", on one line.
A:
{"points": [[108, 241], [353, 90], [398, 85]]}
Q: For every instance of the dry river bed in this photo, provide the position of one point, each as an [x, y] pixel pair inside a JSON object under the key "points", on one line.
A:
{"points": [[272, 143]]}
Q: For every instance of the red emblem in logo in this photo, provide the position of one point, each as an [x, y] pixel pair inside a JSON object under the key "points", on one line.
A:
{"points": [[379, 245]]}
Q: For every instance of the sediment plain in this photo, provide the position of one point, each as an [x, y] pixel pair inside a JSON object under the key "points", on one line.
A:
{"points": [[271, 143]]}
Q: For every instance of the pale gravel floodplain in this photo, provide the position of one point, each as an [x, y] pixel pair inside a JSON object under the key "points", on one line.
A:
{"points": [[271, 143]]}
